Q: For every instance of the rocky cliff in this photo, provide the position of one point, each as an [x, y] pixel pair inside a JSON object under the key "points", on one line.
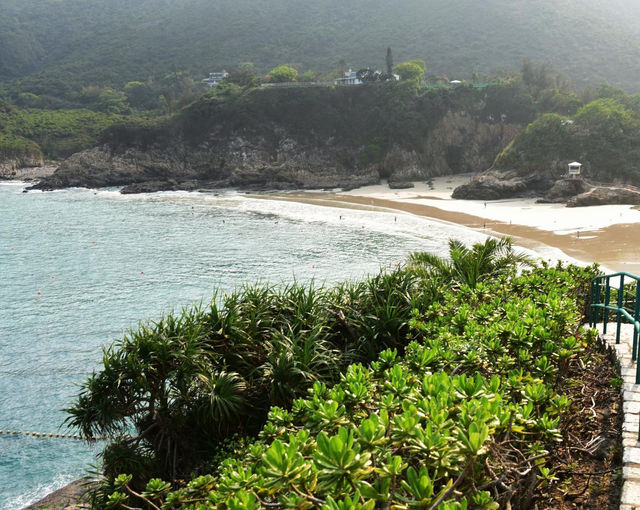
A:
{"points": [[458, 143], [281, 139], [10, 168], [238, 163]]}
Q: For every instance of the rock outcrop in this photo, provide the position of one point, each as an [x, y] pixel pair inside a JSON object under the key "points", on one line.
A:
{"points": [[564, 189], [12, 168], [494, 185], [241, 164], [602, 195]]}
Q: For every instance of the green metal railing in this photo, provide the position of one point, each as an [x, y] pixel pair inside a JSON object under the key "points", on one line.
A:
{"points": [[627, 305]]}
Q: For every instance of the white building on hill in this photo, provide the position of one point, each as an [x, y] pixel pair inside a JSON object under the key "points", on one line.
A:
{"points": [[215, 78], [350, 78]]}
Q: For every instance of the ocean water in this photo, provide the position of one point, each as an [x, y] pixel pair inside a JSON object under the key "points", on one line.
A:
{"points": [[78, 268]]}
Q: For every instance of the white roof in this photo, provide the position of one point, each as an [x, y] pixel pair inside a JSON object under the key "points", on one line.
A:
{"points": [[455, 81], [575, 163]]}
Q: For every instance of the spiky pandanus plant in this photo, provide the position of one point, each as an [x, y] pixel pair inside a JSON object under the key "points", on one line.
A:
{"points": [[470, 266], [184, 385]]}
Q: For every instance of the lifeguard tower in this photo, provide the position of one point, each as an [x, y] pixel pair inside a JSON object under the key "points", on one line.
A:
{"points": [[574, 170]]}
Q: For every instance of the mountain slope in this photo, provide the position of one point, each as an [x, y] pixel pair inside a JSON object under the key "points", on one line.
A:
{"points": [[90, 41]]}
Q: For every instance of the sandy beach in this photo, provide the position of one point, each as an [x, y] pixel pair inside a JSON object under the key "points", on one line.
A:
{"points": [[609, 235]]}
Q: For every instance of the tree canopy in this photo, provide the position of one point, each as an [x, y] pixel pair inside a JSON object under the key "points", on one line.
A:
{"points": [[283, 73], [411, 70]]}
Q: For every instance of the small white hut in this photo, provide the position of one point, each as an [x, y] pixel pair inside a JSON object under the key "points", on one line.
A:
{"points": [[574, 169]]}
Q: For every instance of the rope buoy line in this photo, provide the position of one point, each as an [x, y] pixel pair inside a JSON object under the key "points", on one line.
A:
{"points": [[53, 435]]}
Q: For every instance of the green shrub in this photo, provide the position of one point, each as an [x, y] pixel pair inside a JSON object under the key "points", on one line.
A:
{"points": [[465, 388], [473, 408]]}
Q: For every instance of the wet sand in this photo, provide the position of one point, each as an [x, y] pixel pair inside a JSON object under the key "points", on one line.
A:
{"points": [[614, 246]]}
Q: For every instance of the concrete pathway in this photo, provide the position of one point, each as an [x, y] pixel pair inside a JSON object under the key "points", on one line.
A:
{"points": [[630, 497]]}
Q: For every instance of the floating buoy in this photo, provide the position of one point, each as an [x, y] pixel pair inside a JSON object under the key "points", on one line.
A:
{"points": [[141, 272], [12, 248], [93, 242], [166, 238], [53, 277], [313, 266], [228, 270], [39, 293], [239, 233]]}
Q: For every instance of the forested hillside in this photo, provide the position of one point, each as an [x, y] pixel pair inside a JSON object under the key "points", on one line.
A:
{"points": [[73, 43]]}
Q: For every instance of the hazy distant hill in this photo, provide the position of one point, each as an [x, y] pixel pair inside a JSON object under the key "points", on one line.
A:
{"points": [[114, 41]]}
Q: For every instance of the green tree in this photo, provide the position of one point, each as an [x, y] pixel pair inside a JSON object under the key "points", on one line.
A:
{"points": [[179, 88], [342, 67], [283, 74], [244, 75], [112, 101], [537, 78], [29, 100], [411, 70], [141, 95], [608, 134], [309, 76]]}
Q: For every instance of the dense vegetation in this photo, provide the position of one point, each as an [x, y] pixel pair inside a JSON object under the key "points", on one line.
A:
{"points": [[49, 133], [424, 387], [599, 127], [376, 115], [604, 135], [58, 47]]}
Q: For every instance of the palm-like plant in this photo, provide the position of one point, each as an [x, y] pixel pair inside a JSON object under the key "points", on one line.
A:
{"points": [[470, 266]]}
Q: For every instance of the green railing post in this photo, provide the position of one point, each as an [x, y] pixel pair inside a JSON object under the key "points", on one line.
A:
{"points": [[619, 313], [607, 297], [597, 309], [636, 317], [592, 300], [637, 376]]}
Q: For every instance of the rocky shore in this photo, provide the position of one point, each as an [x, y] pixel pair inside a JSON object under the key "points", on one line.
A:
{"points": [[29, 170], [69, 497], [575, 192]]}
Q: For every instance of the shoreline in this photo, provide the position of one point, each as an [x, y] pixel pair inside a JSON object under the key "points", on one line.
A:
{"points": [[603, 234], [28, 174], [69, 497]]}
